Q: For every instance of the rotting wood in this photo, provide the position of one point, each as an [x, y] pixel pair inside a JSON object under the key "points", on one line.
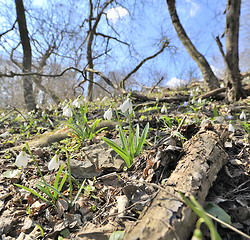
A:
{"points": [[47, 138], [168, 217]]}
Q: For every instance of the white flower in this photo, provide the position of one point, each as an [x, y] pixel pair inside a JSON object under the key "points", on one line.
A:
{"points": [[164, 109], [222, 85], [22, 159], [199, 101], [108, 114], [77, 102], [230, 128], [191, 94], [127, 105], [197, 89], [54, 162], [67, 112], [193, 101], [243, 115]]}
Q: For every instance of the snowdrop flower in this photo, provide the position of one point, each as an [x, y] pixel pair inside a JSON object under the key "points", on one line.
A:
{"points": [[199, 101], [243, 115], [22, 159], [191, 94], [197, 89], [108, 114], [77, 102], [193, 101], [164, 109], [230, 128], [222, 85], [185, 103], [67, 112], [54, 162], [127, 105]]}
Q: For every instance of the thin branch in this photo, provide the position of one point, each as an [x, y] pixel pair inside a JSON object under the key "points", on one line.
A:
{"points": [[217, 39], [9, 30], [114, 38], [164, 45]]}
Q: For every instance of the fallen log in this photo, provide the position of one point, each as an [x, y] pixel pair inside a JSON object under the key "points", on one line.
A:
{"points": [[168, 217]]}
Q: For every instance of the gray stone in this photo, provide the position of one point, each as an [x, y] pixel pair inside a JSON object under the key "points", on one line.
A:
{"points": [[96, 160]]}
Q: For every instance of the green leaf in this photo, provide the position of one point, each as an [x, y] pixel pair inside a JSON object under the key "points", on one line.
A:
{"points": [[33, 192], [216, 114], [179, 135], [117, 235], [58, 176], [137, 135], [40, 228], [78, 193], [124, 155], [218, 212], [46, 191], [123, 139], [142, 140], [52, 188], [131, 144]]}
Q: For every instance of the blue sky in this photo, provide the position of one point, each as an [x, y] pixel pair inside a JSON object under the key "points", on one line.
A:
{"points": [[147, 23]]}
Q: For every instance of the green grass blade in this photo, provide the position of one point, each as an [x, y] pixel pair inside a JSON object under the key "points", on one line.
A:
{"points": [[58, 176], [33, 192], [123, 139], [124, 155], [78, 193], [62, 182], [137, 135], [46, 191], [52, 188], [131, 144], [142, 140]]}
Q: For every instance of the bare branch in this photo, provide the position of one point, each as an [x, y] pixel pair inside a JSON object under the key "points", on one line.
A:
{"points": [[9, 30], [164, 45], [114, 38]]}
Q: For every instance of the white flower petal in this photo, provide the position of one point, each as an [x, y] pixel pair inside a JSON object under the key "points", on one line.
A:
{"points": [[22, 159], [164, 109], [108, 114], [54, 163], [127, 105], [231, 128], [67, 112], [199, 101], [243, 115]]}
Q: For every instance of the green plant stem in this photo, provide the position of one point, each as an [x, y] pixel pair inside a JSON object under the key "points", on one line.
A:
{"points": [[27, 145], [70, 180]]}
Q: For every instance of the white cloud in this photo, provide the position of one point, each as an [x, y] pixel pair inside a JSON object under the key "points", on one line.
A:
{"points": [[189, 9], [175, 82], [113, 14], [39, 3]]}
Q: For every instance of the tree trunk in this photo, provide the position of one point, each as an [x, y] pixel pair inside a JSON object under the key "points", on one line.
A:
{"points": [[210, 79], [233, 77], [89, 53], [27, 56]]}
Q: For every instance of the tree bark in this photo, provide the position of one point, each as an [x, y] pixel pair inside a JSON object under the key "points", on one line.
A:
{"points": [[168, 217], [209, 78], [233, 77], [27, 56], [91, 34]]}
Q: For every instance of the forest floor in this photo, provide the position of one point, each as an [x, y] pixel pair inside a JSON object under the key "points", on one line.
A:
{"points": [[114, 196]]}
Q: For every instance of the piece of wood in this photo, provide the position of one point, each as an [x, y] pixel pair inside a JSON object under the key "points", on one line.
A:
{"points": [[168, 217]]}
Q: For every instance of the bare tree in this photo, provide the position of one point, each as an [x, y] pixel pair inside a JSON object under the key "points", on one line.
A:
{"points": [[231, 58], [209, 77], [27, 56]]}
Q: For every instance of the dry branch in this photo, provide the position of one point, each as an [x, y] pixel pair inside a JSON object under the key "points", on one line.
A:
{"points": [[168, 217]]}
